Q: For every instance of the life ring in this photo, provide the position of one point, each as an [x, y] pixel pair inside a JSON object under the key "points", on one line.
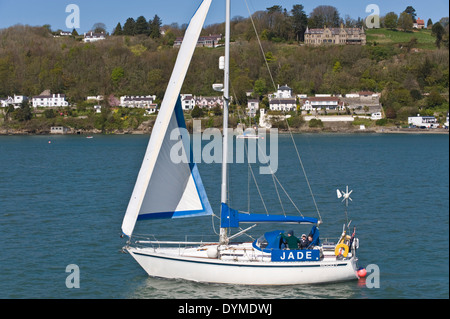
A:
{"points": [[338, 250]]}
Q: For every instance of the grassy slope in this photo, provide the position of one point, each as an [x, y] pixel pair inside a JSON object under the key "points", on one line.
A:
{"points": [[386, 36]]}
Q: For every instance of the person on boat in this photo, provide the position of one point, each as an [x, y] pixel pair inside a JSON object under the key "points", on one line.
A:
{"points": [[292, 241], [310, 242], [304, 243]]}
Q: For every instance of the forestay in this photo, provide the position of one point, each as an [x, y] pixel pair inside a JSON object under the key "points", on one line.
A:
{"points": [[164, 189]]}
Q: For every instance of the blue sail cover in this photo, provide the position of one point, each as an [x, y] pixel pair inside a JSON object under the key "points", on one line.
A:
{"points": [[273, 239], [316, 234], [230, 218]]}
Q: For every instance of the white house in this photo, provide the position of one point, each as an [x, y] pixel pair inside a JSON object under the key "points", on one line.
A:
{"points": [[286, 105], [4, 102], [362, 95], [353, 95], [211, 41], [252, 107], [151, 109], [95, 98], [283, 100], [141, 102], [283, 92], [187, 102], [94, 37], [423, 121], [58, 130], [98, 108], [419, 24], [209, 101], [16, 101], [322, 103], [376, 116], [49, 100]]}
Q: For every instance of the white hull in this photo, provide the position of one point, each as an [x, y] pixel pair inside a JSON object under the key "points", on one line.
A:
{"points": [[166, 264]]}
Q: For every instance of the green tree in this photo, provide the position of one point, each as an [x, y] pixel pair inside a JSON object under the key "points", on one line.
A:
{"points": [[390, 112], [155, 27], [142, 27], [415, 94], [169, 38], [260, 88], [337, 67], [405, 22], [155, 81], [129, 28], [118, 30], [438, 31], [275, 9], [270, 57], [49, 114], [117, 74], [299, 21], [412, 13], [197, 112], [23, 114], [314, 123], [99, 27], [391, 20], [434, 99], [324, 15]]}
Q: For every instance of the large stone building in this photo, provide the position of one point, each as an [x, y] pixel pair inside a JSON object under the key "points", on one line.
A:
{"points": [[332, 36], [211, 41]]}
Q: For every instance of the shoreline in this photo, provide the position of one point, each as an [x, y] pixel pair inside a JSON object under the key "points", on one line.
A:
{"points": [[325, 130]]}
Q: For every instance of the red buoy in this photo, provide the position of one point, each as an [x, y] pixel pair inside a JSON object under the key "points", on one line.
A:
{"points": [[362, 272]]}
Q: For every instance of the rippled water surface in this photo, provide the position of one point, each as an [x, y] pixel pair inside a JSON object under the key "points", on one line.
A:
{"points": [[62, 200]]}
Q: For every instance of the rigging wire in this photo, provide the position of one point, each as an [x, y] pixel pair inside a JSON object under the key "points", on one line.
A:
{"points": [[249, 165], [274, 177], [287, 123]]}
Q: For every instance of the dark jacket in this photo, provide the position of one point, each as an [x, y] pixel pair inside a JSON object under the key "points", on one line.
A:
{"points": [[292, 241], [304, 243]]}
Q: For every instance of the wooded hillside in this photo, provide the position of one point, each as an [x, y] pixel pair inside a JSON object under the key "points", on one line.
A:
{"points": [[32, 60]]}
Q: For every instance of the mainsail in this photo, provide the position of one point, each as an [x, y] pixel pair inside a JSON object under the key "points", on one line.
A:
{"points": [[165, 189]]}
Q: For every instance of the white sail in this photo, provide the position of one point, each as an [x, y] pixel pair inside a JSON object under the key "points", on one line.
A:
{"points": [[164, 189]]}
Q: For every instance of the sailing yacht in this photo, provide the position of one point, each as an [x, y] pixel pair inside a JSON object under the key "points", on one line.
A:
{"points": [[168, 190]]}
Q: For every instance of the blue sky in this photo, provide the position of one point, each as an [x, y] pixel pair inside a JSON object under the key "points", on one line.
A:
{"points": [[111, 12]]}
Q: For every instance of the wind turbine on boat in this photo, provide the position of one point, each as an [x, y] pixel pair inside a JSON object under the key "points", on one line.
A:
{"points": [[345, 195]]}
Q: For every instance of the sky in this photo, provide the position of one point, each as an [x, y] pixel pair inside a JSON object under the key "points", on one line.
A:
{"points": [[53, 12]]}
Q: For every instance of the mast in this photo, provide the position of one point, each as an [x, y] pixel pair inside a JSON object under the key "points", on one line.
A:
{"points": [[226, 96]]}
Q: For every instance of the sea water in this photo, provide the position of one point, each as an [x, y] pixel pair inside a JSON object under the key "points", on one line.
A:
{"points": [[63, 198]]}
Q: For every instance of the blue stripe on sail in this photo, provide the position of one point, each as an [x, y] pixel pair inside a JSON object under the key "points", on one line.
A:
{"points": [[201, 191], [173, 215], [206, 207], [193, 166]]}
